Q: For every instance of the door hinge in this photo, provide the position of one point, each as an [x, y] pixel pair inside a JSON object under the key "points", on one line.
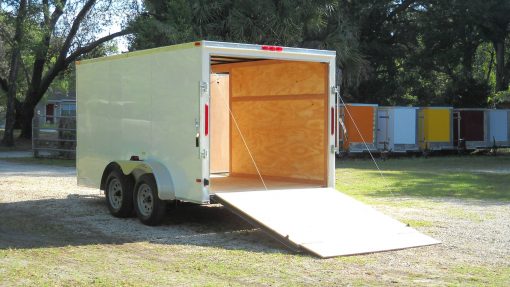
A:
{"points": [[333, 149], [204, 89], [335, 89], [203, 154]]}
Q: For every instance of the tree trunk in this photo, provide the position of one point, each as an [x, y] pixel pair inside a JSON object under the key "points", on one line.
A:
{"points": [[499, 47], [10, 117], [27, 113], [26, 122]]}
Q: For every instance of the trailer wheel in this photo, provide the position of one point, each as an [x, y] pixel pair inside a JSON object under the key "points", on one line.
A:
{"points": [[149, 208], [119, 194]]}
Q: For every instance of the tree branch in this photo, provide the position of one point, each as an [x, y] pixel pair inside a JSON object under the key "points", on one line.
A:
{"points": [[86, 49], [46, 12], [59, 10], [62, 65], [74, 29]]}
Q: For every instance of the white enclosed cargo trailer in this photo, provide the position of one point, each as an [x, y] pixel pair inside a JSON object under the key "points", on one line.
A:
{"points": [[396, 129], [248, 126]]}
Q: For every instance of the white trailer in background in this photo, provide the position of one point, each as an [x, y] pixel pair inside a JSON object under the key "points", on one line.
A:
{"points": [[499, 128], [397, 129], [248, 126]]}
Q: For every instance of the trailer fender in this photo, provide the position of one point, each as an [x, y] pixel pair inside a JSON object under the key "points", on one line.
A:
{"points": [[163, 178]]}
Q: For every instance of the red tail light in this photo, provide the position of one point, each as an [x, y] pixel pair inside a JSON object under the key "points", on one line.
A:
{"points": [[206, 120], [332, 121]]}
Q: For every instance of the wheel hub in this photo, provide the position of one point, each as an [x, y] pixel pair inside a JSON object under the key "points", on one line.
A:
{"points": [[115, 193], [144, 200]]}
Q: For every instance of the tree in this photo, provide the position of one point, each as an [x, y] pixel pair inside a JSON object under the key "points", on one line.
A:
{"points": [[319, 24], [8, 139], [494, 21], [65, 31]]}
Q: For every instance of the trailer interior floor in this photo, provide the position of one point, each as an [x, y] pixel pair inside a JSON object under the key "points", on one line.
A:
{"points": [[227, 183]]}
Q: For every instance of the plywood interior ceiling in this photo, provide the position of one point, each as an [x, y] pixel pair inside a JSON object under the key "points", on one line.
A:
{"points": [[218, 60], [281, 110]]}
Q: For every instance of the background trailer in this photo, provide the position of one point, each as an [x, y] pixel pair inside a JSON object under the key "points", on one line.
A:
{"points": [[251, 127], [435, 128], [471, 127], [360, 125], [499, 128], [396, 129]]}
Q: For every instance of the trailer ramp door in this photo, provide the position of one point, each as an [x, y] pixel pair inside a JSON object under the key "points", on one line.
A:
{"points": [[322, 221]]}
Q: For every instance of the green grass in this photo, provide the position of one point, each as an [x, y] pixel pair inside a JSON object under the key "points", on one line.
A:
{"points": [[468, 177], [473, 275], [43, 161]]}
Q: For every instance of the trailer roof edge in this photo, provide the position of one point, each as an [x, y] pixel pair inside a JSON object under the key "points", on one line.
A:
{"points": [[207, 44]]}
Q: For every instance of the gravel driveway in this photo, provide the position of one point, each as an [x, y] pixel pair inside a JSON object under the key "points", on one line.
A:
{"points": [[41, 206]]}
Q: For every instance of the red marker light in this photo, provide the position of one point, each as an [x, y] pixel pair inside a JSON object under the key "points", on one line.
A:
{"points": [[206, 120], [272, 48]]}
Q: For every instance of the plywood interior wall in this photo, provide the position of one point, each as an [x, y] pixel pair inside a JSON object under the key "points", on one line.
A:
{"points": [[220, 124], [281, 110], [364, 118]]}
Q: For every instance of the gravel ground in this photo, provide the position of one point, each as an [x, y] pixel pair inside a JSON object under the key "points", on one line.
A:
{"points": [[41, 206]]}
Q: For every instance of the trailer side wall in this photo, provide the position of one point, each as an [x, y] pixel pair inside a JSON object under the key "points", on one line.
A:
{"points": [[144, 104]]}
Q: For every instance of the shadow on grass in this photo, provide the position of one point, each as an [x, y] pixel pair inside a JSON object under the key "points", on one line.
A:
{"points": [[479, 186], [84, 220]]}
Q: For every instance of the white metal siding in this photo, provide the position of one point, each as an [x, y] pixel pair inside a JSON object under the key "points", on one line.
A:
{"points": [[144, 105]]}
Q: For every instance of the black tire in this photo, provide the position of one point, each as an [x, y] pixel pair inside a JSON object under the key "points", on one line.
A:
{"points": [[119, 193], [149, 208]]}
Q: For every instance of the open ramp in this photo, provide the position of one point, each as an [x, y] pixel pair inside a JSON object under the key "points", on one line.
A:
{"points": [[322, 221]]}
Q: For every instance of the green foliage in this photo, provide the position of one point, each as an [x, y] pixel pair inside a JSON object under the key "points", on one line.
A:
{"points": [[497, 98]]}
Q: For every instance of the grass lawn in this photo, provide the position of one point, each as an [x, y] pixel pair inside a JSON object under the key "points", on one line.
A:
{"points": [[480, 177]]}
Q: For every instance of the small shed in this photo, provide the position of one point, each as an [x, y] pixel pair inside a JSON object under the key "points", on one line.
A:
{"points": [[470, 128], [358, 123], [499, 128], [397, 129], [435, 128]]}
